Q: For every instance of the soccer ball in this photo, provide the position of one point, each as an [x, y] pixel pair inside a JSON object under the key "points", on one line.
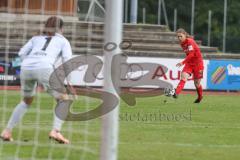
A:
{"points": [[169, 92]]}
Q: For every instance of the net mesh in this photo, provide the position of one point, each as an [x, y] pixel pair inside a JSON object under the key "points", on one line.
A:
{"points": [[31, 134]]}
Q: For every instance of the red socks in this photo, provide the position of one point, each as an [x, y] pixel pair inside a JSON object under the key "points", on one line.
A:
{"points": [[199, 91], [180, 86]]}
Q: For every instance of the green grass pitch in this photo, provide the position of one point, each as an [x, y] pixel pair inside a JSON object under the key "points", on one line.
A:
{"points": [[152, 130]]}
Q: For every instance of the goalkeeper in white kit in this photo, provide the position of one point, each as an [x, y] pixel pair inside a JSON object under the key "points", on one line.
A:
{"points": [[38, 57]]}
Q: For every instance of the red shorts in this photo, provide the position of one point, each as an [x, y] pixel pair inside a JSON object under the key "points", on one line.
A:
{"points": [[196, 71]]}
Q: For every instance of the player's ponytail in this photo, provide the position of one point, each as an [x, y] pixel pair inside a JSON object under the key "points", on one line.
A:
{"points": [[52, 25], [181, 30]]}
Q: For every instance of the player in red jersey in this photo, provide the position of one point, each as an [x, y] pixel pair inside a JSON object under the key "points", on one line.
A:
{"points": [[193, 64]]}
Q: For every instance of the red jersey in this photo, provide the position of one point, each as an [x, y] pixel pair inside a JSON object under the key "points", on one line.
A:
{"points": [[193, 53]]}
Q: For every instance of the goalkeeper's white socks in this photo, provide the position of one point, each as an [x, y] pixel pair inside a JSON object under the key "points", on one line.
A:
{"points": [[17, 114], [57, 123], [55, 133], [62, 111]]}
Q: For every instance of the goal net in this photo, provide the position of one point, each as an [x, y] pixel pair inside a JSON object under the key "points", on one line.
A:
{"points": [[19, 21]]}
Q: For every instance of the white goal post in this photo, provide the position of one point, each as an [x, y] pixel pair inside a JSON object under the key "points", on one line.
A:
{"points": [[113, 34]]}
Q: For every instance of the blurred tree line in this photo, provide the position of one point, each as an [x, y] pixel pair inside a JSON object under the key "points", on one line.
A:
{"points": [[202, 8]]}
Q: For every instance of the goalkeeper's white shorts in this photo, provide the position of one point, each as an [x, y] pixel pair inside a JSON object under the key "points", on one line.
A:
{"points": [[30, 79]]}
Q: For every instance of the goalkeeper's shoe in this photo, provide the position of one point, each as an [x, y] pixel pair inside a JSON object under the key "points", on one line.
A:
{"points": [[6, 135], [57, 136]]}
